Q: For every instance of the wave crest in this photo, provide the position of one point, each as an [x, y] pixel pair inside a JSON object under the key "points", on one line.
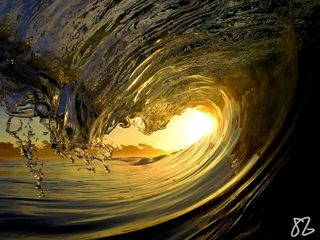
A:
{"points": [[95, 66]]}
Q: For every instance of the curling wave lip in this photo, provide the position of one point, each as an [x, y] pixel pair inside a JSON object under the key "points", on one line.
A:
{"points": [[109, 64]]}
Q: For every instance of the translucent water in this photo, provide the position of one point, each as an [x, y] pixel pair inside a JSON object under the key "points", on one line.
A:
{"points": [[85, 68]]}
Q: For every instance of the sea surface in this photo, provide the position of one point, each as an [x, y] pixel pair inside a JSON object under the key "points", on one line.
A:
{"points": [[78, 202], [86, 67]]}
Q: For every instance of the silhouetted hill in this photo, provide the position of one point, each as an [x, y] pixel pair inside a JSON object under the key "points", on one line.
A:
{"points": [[9, 151], [142, 150]]}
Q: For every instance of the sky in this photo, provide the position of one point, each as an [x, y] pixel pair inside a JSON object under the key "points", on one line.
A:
{"points": [[5, 137], [182, 131]]}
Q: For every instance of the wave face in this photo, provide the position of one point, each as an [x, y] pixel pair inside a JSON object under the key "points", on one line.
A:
{"points": [[85, 67]]}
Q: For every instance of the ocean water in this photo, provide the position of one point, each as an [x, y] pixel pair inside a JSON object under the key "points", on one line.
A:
{"points": [[82, 204], [79, 204], [85, 68]]}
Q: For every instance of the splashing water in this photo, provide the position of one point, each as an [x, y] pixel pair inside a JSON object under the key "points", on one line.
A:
{"points": [[28, 150], [92, 66]]}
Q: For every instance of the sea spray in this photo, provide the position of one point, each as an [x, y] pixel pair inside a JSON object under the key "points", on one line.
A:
{"points": [[28, 150]]}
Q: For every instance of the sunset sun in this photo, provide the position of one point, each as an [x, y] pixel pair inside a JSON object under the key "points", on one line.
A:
{"points": [[181, 132], [197, 125]]}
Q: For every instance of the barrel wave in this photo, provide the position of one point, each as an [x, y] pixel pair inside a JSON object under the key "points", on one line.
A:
{"points": [[86, 67]]}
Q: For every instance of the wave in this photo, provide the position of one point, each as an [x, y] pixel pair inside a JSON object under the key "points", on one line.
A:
{"points": [[87, 67]]}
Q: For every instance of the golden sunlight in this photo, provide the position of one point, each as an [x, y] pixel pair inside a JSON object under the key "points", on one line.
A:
{"points": [[197, 124], [181, 132]]}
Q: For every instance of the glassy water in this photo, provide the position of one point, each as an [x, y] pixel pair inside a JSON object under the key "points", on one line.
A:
{"points": [[79, 204], [86, 67]]}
